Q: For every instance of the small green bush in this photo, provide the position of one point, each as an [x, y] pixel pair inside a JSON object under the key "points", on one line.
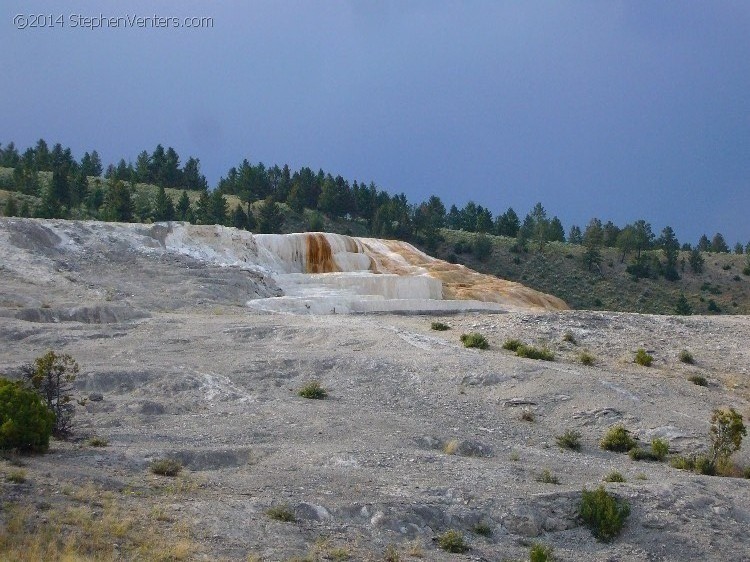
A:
{"points": [[512, 345], [474, 339], [603, 513], [530, 352], [97, 442], [686, 357], [682, 463], [452, 541], [614, 476], [703, 465], [639, 454], [643, 358], [26, 423], [439, 326], [166, 467], [617, 439], [540, 553], [660, 448], [571, 439], [313, 391], [17, 476], [746, 472], [281, 513], [482, 528], [586, 358], [546, 477], [698, 380]]}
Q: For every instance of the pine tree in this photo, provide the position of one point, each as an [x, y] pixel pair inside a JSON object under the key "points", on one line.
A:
{"points": [[270, 217], [118, 202], [183, 206], [683, 307], [239, 217], [163, 206]]}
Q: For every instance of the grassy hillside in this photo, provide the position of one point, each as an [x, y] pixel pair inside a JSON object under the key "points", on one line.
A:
{"points": [[559, 269]]}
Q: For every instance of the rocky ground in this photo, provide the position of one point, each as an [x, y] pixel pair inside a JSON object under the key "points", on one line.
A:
{"points": [[173, 365]]}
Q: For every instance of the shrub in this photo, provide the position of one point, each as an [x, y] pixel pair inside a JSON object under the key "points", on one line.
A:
{"points": [[746, 270], [313, 391], [571, 439], [540, 553], [25, 422], [281, 513], [570, 338], [682, 463], [512, 345], [97, 442], [727, 431], [660, 448], [614, 476], [166, 467], [439, 326], [17, 476], [686, 357], [643, 358], [391, 554], [703, 465], [712, 306], [586, 358], [482, 528], [452, 541], [603, 513], [51, 376], [530, 352], [482, 247], [638, 454], [617, 439], [474, 339], [698, 380], [746, 472], [546, 477]]}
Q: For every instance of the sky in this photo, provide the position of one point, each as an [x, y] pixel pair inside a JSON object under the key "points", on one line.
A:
{"points": [[619, 110]]}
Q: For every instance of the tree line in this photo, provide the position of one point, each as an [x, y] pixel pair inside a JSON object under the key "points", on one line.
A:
{"points": [[85, 189]]}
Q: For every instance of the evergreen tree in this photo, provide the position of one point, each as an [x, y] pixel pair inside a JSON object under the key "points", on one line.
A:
{"points": [[192, 177], [556, 230], [143, 168], [507, 224], [484, 220], [79, 188], [270, 217], [239, 217], [96, 164], [683, 307], [593, 238], [9, 157], [183, 206], [575, 236], [171, 175], [454, 218], [203, 214], [118, 202], [704, 244], [696, 261], [718, 244], [60, 188], [670, 246], [219, 208], [42, 158], [25, 211], [739, 249], [163, 207]]}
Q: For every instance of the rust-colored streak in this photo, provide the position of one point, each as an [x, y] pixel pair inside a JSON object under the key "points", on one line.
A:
{"points": [[319, 254]]}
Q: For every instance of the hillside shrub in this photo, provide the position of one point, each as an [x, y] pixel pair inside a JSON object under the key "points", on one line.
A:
{"points": [[313, 391], [727, 431], [512, 344], [617, 439], [603, 513], [51, 376], [586, 358], [452, 541], [546, 477], [570, 338], [614, 476], [643, 358], [531, 352], [281, 513], [483, 529], [26, 423], [540, 553], [439, 326], [166, 467], [686, 357], [571, 439], [698, 380], [474, 339]]}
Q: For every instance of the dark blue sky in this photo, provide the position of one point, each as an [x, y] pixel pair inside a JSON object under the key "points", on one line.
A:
{"points": [[619, 110]]}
